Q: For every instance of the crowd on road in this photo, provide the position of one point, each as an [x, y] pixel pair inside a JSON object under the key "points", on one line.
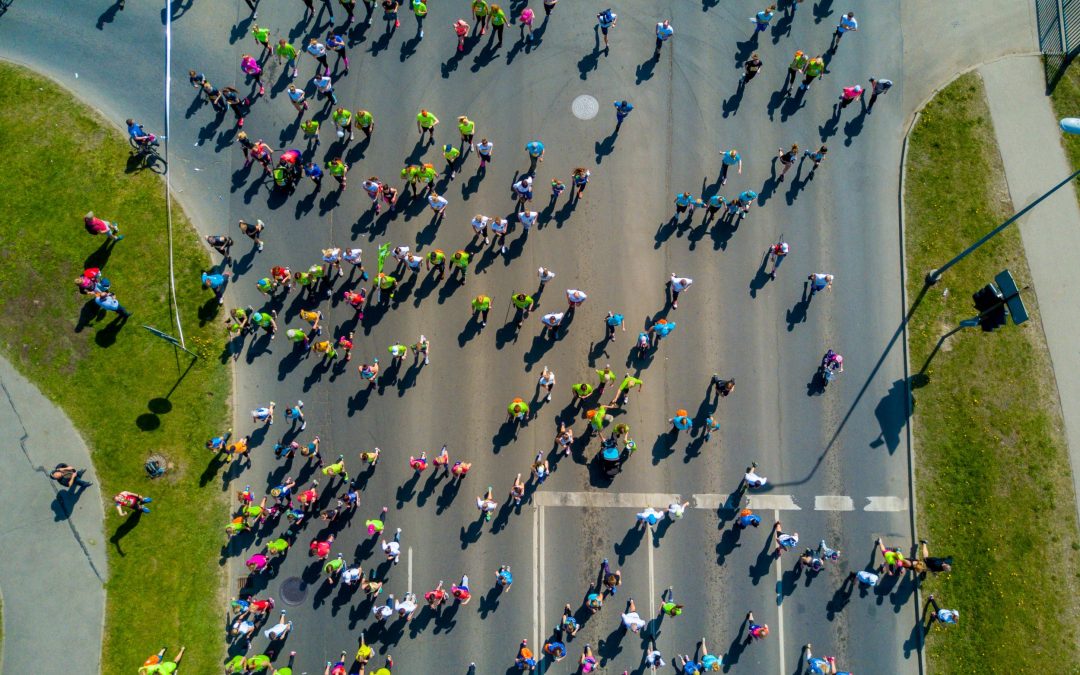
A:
{"points": [[280, 513]]}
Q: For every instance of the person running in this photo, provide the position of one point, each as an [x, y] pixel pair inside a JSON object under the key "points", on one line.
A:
{"points": [[622, 394], [649, 518], [535, 149], [425, 124], [437, 203], [668, 606], [878, 86], [523, 303], [849, 94], [390, 15], [757, 631], [343, 122], [311, 134], [683, 202], [317, 50], [336, 43], [158, 664], [587, 662], [486, 504], [751, 67], [729, 159], [325, 87], [747, 518], [819, 665], [263, 414], [946, 617], [338, 169], [262, 37], [461, 29], [787, 159], [751, 479], [540, 468], [250, 67], [777, 252], [296, 412], [743, 202], [498, 23], [552, 322], [517, 411], [481, 305], [460, 469], [894, 558], [784, 540], [622, 111], [526, 23], [678, 285], [580, 180], [517, 492], [664, 31], [798, 65], [459, 262], [392, 548], [814, 68], [605, 21], [816, 157], [847, 24], [285, 51], [819, 281], [480, 14]]}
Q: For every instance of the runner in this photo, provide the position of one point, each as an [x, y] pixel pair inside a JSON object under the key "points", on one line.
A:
{"points": [[461, 29], [498, 23], [848, 95], [847, 24], [336, 44], [798, 65], [317, 50], [526, 18], [580, 181], [343, 122], [338, 169], [605, 21], [460, 590], [664, 31], [778, 252], [678, 285], [552, 322], [878, 86], [250, 67], [486, 504], [820, 281], [751, 67], [784, 541], [814, 68], [787, 159], [757, 631], [480, 14], [483, 150]]}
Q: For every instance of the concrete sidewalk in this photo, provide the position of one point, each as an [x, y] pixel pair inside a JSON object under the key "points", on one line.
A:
{"points": [[1030, 144], [52, 542]]}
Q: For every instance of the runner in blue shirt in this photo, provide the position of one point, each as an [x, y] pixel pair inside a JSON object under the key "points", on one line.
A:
{"points": [[612, 321], [605, 20], [536, 153]]}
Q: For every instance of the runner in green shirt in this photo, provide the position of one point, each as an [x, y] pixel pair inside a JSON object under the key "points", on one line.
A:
{"points": [[427, 174], [366, 121], [467, 128], [262, 36], [451, 154], [286, 51], [385, 282], [437, 259], [343, 120], [311, 130], [498, 22], [797, 65], [517, 409], [425, 123], [606, 377], [411, 174], [524, 304], [257, 663], [277, 546], [460, 261], [481, 305], [480, 13], [420, 10], [599, 418], [814, 68], [235, 665], [628, 383], [582, 390], [332, 568]]}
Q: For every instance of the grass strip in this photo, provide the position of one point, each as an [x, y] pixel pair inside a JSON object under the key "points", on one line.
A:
{"points": [[125, 390], [993, 484]]}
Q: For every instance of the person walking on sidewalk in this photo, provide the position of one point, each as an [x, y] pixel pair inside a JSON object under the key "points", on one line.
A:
{"points": [[69, 476]]}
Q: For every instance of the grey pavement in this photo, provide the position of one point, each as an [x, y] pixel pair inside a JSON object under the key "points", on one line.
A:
{"points": [[619, 245], [52, 544], [1029, 140]]}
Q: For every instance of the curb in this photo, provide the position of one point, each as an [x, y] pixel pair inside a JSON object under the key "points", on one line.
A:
{"points": [[908, 401]]}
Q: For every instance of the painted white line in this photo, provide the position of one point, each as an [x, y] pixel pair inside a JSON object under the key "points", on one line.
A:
{"points": [[652, 576], [540, 582], [886, 504], [775, 502], [410, 586], [535, 577], [629, 500], [779, 606], [833, 503]]}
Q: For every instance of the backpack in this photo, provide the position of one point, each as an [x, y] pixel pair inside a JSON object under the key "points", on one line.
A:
{"points": [[606, 17]]}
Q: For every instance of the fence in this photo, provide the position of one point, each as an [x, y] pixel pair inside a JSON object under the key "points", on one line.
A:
{"points": [[1059, 35]]}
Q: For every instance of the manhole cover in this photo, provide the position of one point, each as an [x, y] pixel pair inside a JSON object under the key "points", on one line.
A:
{"points": [[585, 107], [293, 591]]}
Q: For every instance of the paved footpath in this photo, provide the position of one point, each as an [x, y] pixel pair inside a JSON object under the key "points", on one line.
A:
{"points": [[1030, 144], [52, 543]]}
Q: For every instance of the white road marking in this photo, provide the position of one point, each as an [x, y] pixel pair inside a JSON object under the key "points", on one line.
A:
{"points": [[540, 582], [410, 586], [770, 501], [652, 576], [886, 504], [535, 577], [630, 500], [779, 606], [833, 503]]}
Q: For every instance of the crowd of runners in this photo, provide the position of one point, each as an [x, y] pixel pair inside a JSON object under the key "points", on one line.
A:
{"points": [[283, 514]]}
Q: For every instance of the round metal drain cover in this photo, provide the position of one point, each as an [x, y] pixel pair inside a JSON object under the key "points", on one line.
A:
{"points": [[585, 107], [293, 591]]}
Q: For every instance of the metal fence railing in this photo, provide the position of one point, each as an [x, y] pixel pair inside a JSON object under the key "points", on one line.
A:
{"points": [[1059, 35]]}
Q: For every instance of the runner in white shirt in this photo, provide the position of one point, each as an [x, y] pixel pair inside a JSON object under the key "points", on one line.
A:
{"points": [[553, 321], [383, 612], [545, 275], [499, 227], [479, 226], [280, 630], [437, 203], [351, 576], [414, 261], [407, 607], [575, 298], [751, 478], [649, 517], [631, 619], [675, 510], [527, 218], [678, 285]]}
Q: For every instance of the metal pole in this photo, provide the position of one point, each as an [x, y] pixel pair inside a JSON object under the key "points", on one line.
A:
{"points": [[933, 276]]}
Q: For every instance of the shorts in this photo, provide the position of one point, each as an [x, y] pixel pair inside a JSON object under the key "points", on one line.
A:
{"points": [[603, 29], [681, 208]]}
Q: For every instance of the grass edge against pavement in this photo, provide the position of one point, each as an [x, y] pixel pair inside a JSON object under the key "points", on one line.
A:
{"points": [[121, 387], [988, 427]]}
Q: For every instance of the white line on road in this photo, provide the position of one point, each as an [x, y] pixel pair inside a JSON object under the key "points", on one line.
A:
{"points": [[630, 500], [535, 577], [410, 587], [779, 605], [833, 503], [540, 581], [886, 504], [774, 502], [652, 576]]}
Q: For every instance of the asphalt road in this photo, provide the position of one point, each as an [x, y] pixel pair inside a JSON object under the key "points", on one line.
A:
{"points": [[618, 245]]}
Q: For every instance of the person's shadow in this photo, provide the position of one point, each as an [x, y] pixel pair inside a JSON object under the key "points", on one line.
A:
{"points": [[108, 16], [128, 525], [65, 502], [797, 314]]}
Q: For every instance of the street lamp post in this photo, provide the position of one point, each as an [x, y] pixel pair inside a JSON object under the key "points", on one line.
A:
{"points": [[1070, 125]]}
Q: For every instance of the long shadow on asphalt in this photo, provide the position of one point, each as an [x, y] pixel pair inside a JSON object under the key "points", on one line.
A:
{"points": [[745, 48], [731, 104], [610, 646], [736, 648], [429, 486], [764, 562], [128, 525], [589, 62], [854, 127], [841, 597], [797, 184], [645, 70], [797, 314], [630, 542], [446, 499], [761, 278], [822, 10]]}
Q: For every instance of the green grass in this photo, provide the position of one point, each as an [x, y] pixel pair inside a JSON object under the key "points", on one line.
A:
{"points": [[121, 387], [1066, 101], [993, 480]]}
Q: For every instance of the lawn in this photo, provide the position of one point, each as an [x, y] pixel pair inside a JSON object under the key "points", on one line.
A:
{"points": [[1066, 101], [993, 484], [121, 386]]}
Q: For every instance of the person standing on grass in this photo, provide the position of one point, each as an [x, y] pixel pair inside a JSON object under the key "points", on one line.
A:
{"points": [[69, 476], [107, 301], [95, 225]]}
